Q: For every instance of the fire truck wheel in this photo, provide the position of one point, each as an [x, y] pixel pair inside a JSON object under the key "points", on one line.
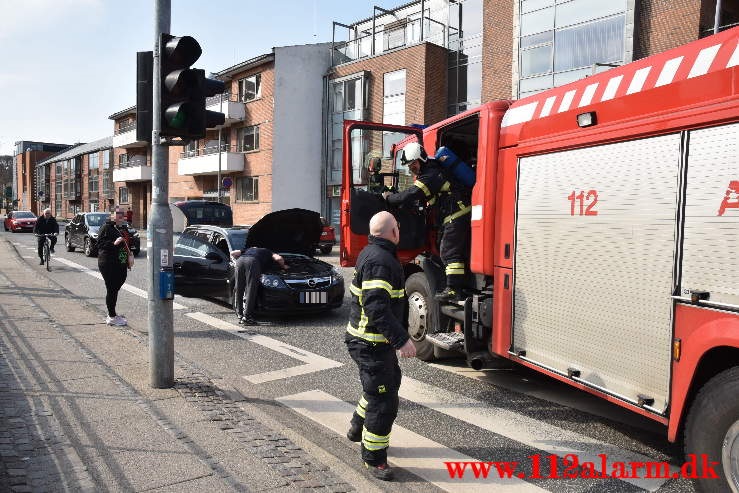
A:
{"points": [[712, 428], [422, 314]]}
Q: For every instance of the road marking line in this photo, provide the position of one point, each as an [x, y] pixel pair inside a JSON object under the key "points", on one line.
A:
{"points": [[411, 451], [524, 429], [313, 362], [126, 287]]}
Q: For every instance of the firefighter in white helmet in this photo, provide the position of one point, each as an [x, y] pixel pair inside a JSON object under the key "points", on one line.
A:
{"points": [[435, 186]]}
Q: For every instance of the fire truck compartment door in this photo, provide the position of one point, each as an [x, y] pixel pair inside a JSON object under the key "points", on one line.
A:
{"points": [[711, 233], [594, 262]]}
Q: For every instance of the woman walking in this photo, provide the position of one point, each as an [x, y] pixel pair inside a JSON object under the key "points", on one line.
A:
{"points": [[113, 253]]}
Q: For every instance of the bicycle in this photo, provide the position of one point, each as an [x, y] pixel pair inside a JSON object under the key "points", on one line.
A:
{"points": [[46, 252]]}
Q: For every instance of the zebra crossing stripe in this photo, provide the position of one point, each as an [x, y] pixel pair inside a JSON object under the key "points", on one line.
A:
{"points": [[408, 450]]}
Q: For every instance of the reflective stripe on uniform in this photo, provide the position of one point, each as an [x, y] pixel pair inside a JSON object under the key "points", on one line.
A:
{"points": [[459, 213], [454, 268], [380, 284], [361, 409], [422, 186], [374, 442], [362, 334]]}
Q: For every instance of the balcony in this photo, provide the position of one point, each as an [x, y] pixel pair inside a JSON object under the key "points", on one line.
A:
{"points": [[125, 137], [232, 109], [134, 169], [204, 161]]}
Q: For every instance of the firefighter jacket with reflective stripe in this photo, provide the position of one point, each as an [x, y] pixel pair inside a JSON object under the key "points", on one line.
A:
{"points": [[433, 186], [378, 296]]}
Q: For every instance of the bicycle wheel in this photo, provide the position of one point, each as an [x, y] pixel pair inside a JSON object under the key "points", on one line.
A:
{"points": [[47, 255]]}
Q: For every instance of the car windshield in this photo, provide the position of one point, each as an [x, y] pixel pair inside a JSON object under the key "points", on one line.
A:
{"points": [[23, 215], [96, 219], [237, 238]]}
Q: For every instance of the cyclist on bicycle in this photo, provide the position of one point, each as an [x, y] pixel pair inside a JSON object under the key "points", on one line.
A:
{"points": [[45, 224]]}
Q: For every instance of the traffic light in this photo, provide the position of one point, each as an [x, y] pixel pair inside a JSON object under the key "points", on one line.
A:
{"points": [[144, 88], [183, 90]]}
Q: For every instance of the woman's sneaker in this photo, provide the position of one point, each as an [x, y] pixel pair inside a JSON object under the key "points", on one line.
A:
{"points": [[120, 321], [110, 320]]}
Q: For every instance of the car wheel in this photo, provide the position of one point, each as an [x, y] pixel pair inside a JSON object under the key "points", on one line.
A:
{"points": [[712, 428], [88, 248], [68, 243], [327, 249], [422, 314]]}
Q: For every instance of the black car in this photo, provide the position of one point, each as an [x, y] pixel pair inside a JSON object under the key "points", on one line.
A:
{"points": [[203, 267], [82, 232]]}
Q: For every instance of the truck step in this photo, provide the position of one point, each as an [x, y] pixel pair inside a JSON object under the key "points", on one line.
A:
{"points": [[451, 341]]}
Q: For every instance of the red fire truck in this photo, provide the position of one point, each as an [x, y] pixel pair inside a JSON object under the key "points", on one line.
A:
{"points": [[605, 238]]}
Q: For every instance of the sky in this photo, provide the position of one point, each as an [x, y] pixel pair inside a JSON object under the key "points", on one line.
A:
{"points": [[67, 65]]}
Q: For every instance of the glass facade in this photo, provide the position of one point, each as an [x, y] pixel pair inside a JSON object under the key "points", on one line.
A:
{"points": [[464, 63], [561, 41]]}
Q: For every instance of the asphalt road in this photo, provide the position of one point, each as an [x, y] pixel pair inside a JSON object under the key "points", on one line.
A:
{"points": [[448, 412]]}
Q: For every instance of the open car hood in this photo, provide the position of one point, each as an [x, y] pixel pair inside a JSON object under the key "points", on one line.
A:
{"points": [[287, 231]]}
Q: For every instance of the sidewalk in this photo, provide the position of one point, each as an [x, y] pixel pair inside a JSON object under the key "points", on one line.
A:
{"points": [[77, 412]]}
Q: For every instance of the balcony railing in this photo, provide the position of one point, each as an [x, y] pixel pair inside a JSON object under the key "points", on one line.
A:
{"points": [[133, 162], [227, 96], [125, 127], [205, 151], [398, 36]]}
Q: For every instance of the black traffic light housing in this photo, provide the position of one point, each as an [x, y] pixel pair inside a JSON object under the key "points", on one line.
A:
{"points": [[144, 94], [184, 89]]}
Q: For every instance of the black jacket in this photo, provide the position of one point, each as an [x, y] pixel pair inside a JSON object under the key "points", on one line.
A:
{"points": [[107, 235], [378, 296], [44, 225], [433, 186]]}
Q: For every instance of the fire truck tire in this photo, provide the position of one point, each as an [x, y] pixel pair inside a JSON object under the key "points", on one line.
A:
{"points": [[712, 428], [422, 314]]}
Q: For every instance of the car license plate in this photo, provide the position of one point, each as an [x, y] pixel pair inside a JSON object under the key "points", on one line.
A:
{"points": [[313, 296]]}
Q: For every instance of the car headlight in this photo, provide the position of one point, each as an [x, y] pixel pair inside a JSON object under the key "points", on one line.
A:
{"points": [[94, 235], [271, 281], [336, 275]]}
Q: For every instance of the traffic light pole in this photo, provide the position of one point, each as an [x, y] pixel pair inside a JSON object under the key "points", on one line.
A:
{"points": [[159, 242]]}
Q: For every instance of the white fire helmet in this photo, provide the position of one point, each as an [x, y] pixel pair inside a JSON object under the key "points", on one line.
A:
{"points": [[411, 152]]}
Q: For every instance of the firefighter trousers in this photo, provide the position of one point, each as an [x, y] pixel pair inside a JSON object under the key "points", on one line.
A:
{"points": [[455, 250], [380, 375]]}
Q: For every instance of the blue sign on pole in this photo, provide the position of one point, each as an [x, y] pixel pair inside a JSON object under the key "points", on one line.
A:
{"points": [[227, 182]]}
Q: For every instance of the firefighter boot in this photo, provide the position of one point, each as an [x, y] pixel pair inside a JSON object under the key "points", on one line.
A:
{"points": [[448, 295], [382, 471]]}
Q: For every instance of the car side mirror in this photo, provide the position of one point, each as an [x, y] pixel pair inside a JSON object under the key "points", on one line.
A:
{"points": [[213, 256]]}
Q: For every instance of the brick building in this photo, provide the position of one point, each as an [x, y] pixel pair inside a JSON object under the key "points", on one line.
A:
{"points": [[429, 59], [272, 106], [79, 179], [27, 156]]}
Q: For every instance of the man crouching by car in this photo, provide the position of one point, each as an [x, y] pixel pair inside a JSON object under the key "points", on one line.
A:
{"points": [[250, 263]]}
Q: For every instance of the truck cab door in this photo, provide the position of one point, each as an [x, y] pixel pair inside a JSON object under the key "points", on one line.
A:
{"points": [[368, 170]]}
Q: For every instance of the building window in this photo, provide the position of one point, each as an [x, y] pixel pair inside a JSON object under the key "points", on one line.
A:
{"points": [[347, 103], [106, 159], [122, 160], [393, 107], [250, 88], [562, 41], [93, 161], [464, 60], [93, 184], [248, 138], [123, 195], [247, 189]]}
